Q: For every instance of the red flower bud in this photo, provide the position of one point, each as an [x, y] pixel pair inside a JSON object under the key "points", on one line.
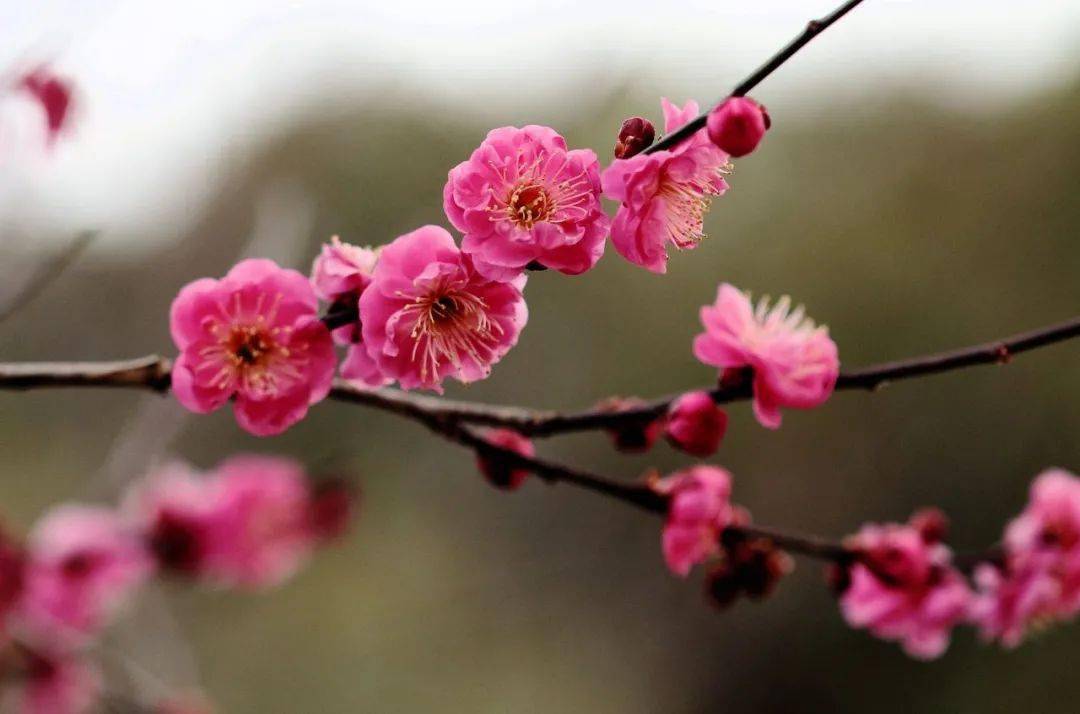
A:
{"points": [[737, 125], [635, 435], [497, 469], [932, 524], [635, 136]]}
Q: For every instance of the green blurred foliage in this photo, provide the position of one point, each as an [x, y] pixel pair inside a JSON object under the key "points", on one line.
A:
{"points": [[906, 227]]}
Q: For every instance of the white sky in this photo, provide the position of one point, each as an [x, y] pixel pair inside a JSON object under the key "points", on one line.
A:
{"points": [[168, 87]]}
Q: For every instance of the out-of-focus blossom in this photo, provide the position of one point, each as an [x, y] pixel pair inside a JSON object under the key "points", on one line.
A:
{"points": [[635, 135], [699, 508], [631, 435], [254, 336], [55, 95], [795, 364], [737, 125], [748, 566], [429, 315], [1037, 581], [53, 683], [523, 197], [12, 564], [332, 509], [497, 470], [695, 424], [82, 564], [904, 588], [664, 195]]}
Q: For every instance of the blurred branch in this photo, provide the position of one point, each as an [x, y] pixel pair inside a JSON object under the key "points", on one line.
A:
{"points": [[152, 372], [47, 275], [812, 30]]}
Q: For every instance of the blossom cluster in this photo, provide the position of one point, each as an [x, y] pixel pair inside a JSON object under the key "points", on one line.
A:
{"points": [[899, 581], [248, 524]]}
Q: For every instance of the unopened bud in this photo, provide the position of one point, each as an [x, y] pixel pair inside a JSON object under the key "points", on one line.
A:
{"points": [[636, 135], [931, 523], [737, 125], [497, 469]]}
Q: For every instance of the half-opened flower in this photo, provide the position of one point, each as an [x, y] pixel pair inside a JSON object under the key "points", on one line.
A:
{"points": [[429, 314], [699, 508], [903, 588], [795, 363], [664, 195], [253, 336], [523, 197]]}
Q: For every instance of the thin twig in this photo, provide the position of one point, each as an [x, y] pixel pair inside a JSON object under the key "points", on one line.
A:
{"points": [[812, 30], [47, 275]]}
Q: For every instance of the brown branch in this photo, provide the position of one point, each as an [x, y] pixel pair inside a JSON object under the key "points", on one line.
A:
{"points": [[812, 30]]}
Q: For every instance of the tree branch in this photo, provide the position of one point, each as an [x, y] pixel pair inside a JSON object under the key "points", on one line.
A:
{"points": [[813, 29]]}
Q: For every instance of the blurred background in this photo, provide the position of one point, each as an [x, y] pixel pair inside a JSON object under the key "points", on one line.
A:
{"points": [[917, 192]]}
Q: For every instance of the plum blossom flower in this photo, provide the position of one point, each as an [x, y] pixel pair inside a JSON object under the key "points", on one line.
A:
{"points": [[737, 125], [340, 274], [262, 528], [664, 195], [904, 588], [795, 364], [699, 508], [1038, 580], [523, 197], [82, 564], [695, 424], [254, 336], [496, 470], [429, 315], [56, 683], [55, 95]]}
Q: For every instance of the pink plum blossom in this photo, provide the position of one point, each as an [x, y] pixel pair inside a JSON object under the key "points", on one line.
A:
{"points": [[1038, 580], [737, 125], [253, 336], [55, 683], [82, 565], [699, 508], [664, 195], [55, 95], [695, 424], [429, 315], [494, 468], [904, 588], [795, 364], [262, 529], [523, 197]]}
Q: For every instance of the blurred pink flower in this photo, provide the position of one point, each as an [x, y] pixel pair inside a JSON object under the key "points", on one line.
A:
{"points": [[494, 468], [1038, 581], [664, 195], [698, 510], [523, 197], [696, 424], [55, 96], [429, 315], [262, 528], [795, 364], [82, 565], [58, 684], [903, 588], [253, 335], [737, 125]]}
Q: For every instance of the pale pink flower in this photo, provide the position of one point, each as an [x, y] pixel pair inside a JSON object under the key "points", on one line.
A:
{"points": [[57, 684], [737, 125], [664, 195], [903, 588], [1038, 580], [177, 512], [699, 508], [429, 315], [254, 336], [695, 424], [497, 470], [795, 364], [82, 564], [263, 529], [523, 197]]}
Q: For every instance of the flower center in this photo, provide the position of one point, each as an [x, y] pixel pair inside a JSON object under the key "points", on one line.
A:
{"points": [[687, 202], [450, 326], [249, 345], [529, 204]]}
